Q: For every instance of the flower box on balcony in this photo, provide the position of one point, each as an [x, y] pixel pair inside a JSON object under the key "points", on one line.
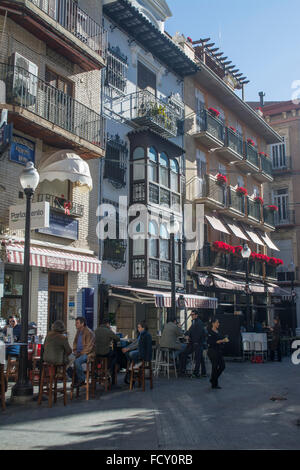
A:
{"points": [[263, 154], [251, 142], [224, 247], [221, 179], [233, 129], [259, 200], [241, 191], [275, 261], [214, 112], [273, 208]]}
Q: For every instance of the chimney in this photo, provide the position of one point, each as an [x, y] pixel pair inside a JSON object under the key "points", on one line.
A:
{"points": [[261, 95]]}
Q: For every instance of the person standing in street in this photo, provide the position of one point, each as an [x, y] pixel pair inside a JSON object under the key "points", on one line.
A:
{"points": [[215, 341], [196, 335]]}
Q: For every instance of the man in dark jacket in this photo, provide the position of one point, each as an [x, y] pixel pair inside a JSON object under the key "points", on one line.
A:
{"points": [[56, 346], [144, 347], [103, 339], [197, 339]]}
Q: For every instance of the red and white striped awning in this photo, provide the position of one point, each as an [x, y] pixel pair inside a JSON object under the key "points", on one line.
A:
{"points": [[53, 259], [164, 299]]}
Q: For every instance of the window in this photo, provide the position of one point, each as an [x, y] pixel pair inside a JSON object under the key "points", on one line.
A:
{"points": [[201, 164], [200, 101], [153, 239], [281, 200], [240, 181], [116, 70], [152, 167], [139, 243], [139, 164], [115, 161], [278, 155], [164, 243], [146, 79], [59, 82], [222, 169], [174, 175], [164, 169]]}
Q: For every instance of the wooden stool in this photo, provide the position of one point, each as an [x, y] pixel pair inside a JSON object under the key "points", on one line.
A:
{"points": [[3, 386], [12, 368], [49, 377], [35, 372], [141, 376], [89, 381], [102, 372]]}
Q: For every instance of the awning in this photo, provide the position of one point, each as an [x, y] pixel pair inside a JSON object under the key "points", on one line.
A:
{"points": [[255, 238], [163, 299], [279, 292], [53, 259], [231, 284], [269, 242], [217, 224], [237, 231], [66, 165]]}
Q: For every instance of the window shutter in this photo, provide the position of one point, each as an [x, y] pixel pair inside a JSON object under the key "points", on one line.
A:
{"points": [[146, 78]]}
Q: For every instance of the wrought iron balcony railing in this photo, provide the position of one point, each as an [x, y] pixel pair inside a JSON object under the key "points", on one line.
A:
{"points": [[33, 94], [147, 110], [68, 14], [281, 165], [266, 165], [254, 209], [236, 201], [251, 155], [115, 172], [282, 218], [59, 203], [234, 141], [269, 217], [115, 251], [206, 122]]}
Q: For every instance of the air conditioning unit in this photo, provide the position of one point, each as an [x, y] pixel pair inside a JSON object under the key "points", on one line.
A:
{"points": [[24, 80]]}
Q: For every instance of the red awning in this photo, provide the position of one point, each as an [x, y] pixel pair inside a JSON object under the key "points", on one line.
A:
{"points": [[53, 259]]}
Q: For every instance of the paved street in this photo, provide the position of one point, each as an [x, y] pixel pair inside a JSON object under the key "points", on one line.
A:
{"points": [[176, 414]]}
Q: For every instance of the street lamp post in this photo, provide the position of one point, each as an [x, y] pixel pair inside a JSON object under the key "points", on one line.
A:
{"points": [[23, 389], [172, 313], [293, 295], [246, 253]]}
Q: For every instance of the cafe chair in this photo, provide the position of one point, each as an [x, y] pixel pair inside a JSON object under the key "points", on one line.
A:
{"points": [[90, 382], [50, 375], [247, 350], [35, 372], [165, 360], [259, 351], [103, 375], [143, 373], [3, 386], [12, 368]]}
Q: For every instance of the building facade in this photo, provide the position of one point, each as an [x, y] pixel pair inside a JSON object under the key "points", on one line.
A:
{"points": [[227, 172], [50, 84], [284, 193]]}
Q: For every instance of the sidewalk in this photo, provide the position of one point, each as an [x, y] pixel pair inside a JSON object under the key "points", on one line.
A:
{"points": [[177, 414]]}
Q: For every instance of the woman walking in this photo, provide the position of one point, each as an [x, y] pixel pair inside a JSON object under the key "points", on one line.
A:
{"points": [[215, 341]]}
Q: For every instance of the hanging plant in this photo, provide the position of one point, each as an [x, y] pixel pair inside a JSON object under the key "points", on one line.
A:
{"points": [[273, 208], [251, 142], [214, 112], [259, 200], [241, 191], [237, 250], [263, 154], [221, 179]]}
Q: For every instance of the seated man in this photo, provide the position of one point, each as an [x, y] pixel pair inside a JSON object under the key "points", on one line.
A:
{"points": [[14, 349], [103, 338], [145, 346], [83, 348], [56, 346], [169, 338], [132, 353]]}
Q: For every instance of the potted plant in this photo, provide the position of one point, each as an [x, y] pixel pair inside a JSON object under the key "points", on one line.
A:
{"points": [[273, 208], [241, 191], [251, 142], [214, 112], [233, 129], [221, 179], [258, 200]]}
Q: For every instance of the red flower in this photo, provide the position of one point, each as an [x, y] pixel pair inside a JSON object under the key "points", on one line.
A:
{"points": [[242, 190], [221, 178], [264, 154], [214, 111], [224, 247], [275, 261], [233, 129], [273, 208], [189, 39], [251, 142], [259, 199], [237, 249]]}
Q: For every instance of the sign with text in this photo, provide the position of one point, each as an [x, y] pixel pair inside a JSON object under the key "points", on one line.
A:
{"points": [[39, 216], [22, 150]]}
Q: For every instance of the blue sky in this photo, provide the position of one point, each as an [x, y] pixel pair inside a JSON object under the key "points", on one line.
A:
{"points": [[261, 37]]}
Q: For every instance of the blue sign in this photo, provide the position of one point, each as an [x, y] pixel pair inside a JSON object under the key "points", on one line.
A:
{"points": [[22, 150], [61, 225], [88, 306]]}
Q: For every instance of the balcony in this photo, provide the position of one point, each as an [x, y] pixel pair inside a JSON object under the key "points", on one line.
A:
{"points": [[145, 110], [209, 130], [251, 156], [269, 218], [115, 252], [266, 173], [61, 204], [159, 271], [284, 219], [115, 173], [254, 211], [64, 27], [208, 191], [47, 113], [236, 203], [271, 272], [233, 147]]}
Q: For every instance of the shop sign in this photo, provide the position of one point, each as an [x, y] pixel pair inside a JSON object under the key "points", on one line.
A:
{"points": [[59, 263], [22, 150], [39, 216], [61, 225]]}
